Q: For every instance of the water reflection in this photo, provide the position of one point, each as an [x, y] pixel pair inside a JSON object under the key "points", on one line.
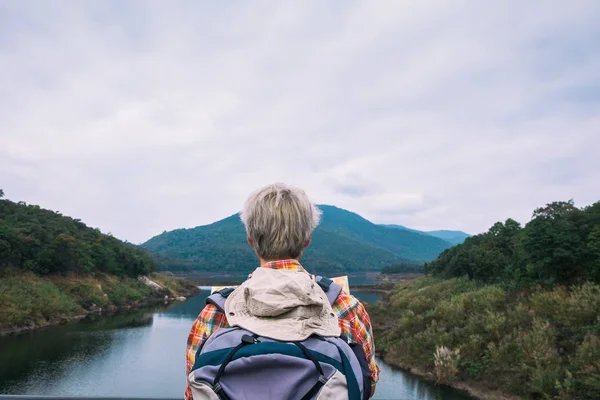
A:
{"points": [[52, 352], [367, 297], [394, 384], [188, 309]]}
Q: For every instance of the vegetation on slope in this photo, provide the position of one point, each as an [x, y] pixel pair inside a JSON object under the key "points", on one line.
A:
{"points": [[515, 309], [29, 301], [343, 242], [409, 245], [402, 269], [53, 268], [539, 343], [164, 263]]}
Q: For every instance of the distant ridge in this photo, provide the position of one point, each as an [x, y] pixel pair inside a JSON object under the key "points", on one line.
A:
{"points": [[343, 242], [453, 237]]}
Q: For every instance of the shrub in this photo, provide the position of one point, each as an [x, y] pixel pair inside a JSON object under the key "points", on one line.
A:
{"points": [[446, 363], [570, 310], [494, 323], [26, 299], [86, 290], [539, 357], [519, 315], [489, 298], [586, 366], [124, 291]]}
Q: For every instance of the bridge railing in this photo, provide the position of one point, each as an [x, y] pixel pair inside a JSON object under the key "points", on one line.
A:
{"points": [[34, 397]]}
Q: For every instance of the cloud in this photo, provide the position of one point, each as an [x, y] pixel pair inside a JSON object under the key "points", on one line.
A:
{"points": [[143, 116]]}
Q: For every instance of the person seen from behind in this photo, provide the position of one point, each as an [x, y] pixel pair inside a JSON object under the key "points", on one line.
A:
{"points": [[279, 221]]}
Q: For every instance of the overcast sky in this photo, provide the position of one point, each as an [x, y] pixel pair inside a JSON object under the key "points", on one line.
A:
{"points": [[141, 116]]}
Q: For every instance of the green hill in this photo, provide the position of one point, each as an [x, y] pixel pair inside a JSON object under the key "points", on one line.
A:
{"points": [[453, 237], [343, 242], [46, 242], [54, 268]]}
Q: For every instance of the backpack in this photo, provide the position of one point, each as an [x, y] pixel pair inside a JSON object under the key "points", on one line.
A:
{"points": [[235, 363]]}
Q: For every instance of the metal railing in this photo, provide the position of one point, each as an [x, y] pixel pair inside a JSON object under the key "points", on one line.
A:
{"points": [[34, 397]]}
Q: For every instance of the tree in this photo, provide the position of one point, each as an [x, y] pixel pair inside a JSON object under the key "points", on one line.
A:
{"points": [[1, 193], [555, 210], [45, 242], [561, 244], [554, 245]]}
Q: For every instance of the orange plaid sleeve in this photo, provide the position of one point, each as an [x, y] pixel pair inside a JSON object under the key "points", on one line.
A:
{"points": [[355, 324], [208, 322]]}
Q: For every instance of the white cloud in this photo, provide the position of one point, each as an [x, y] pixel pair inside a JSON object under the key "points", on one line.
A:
{"points": [[142, 116]]}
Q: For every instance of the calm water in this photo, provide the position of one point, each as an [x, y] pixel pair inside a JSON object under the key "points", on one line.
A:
{"points": [[137, 354]]}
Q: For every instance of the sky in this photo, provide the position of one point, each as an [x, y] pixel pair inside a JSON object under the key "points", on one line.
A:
{"points": [[144, 116]]}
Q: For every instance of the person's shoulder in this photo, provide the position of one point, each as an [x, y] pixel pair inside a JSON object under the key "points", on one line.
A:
{"points": [[209, 312], [345, 296], [347, 305], [209, 319]]}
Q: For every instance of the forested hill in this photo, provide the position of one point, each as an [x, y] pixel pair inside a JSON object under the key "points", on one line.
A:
{"points": [[343, 242], [561, 244], [46, 242]]}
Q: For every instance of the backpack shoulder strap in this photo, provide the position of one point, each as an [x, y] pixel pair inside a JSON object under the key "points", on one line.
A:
{"points": [[331, 289], [218, 298]]}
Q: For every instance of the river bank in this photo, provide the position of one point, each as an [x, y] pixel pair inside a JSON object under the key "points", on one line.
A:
{"points": [[473, 389], [493, 342], [29, 302]]}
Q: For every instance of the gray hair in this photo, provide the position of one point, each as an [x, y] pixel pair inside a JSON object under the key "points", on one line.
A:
{"points": [[279, 219]]}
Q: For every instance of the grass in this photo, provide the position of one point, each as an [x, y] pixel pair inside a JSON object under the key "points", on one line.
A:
{"points": [[28, 300], [124, 291], [177, 286], [103, 291], [539, 343]]}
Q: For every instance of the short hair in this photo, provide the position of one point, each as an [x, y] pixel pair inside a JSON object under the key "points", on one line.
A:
{"points": [[279, 219]]}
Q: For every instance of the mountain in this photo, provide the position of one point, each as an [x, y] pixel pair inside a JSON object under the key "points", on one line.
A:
{"points": [[343, 242], [453, 237]]}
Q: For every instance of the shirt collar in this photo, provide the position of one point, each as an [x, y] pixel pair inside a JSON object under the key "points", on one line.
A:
{"points": [[290, 264]]}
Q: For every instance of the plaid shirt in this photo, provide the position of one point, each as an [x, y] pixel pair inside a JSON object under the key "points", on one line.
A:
{"points": [[353, 320]]}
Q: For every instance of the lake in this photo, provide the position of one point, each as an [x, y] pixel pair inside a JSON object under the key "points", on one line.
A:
{"points": [[139, 354]]}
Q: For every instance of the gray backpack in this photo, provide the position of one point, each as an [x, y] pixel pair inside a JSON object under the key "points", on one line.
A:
{"points": [[235, 363]]}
